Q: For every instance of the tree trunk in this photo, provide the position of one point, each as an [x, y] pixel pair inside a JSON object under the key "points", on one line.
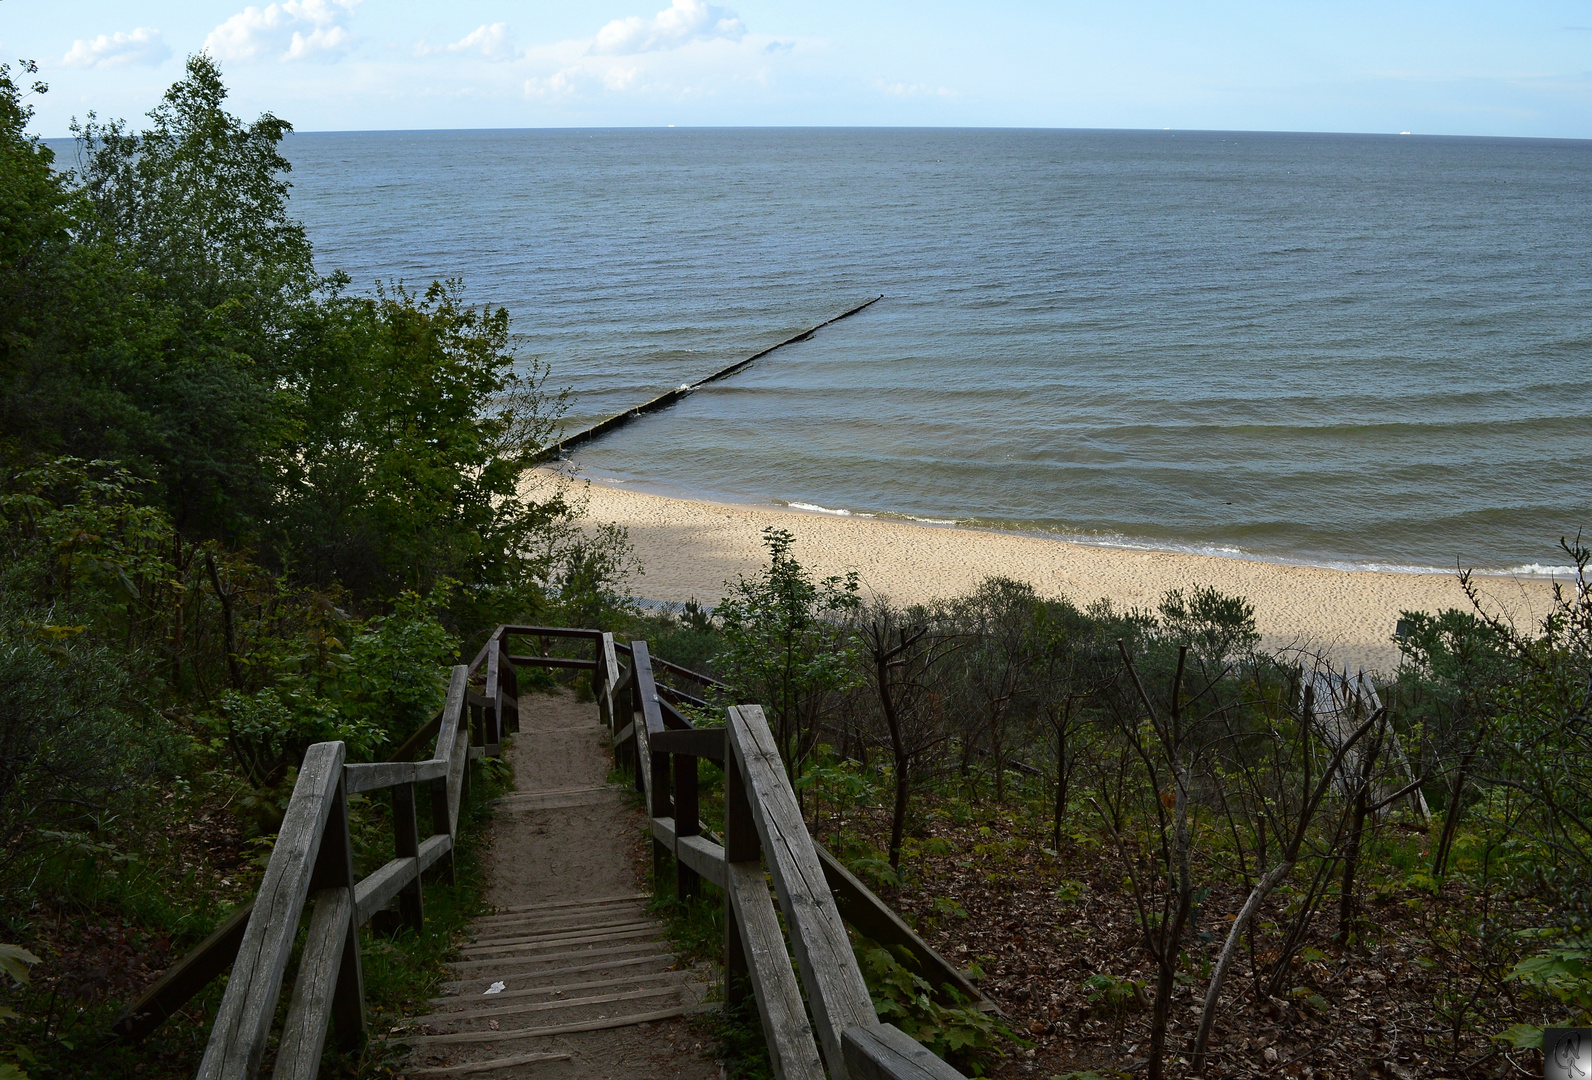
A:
{"points": [[228, 627], [1213, 993], [1351, 848], [1165, 980], [1451, 816], [1061, 788], [898, 816]]}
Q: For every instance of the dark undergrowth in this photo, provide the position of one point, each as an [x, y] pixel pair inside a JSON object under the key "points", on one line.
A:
{"points": [[113, 925]]}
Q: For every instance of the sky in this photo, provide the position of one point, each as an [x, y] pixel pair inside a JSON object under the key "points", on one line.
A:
{"points": [[1456, 68]]}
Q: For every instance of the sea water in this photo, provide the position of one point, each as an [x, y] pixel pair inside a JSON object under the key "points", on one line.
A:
{"points": [[1349, 350]]}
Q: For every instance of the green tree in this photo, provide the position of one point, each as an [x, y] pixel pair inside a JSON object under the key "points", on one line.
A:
{"points": [[789, 646], [413, 428]]}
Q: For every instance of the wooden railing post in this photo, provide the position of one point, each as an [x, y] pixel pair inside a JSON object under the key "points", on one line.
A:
{"points": [[406, 845], [334, 869], [835, 990], [687, 882], [740, 846], [509, 698], [608, 663], [657, 790], [439, 824], [494, 692], [243, 1021]]}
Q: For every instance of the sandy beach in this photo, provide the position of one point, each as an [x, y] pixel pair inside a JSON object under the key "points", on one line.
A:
{"points": [[689, 549]]}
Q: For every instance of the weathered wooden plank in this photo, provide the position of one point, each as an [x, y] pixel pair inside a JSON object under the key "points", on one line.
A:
{"points": [[680, 697], [791, 1049], [835, 989], [243, 1022], [184, 979], [519, 1034], [740, 845], [433, 848], [646, 688], [625, 734], [453, 744], [694, 676], [554, 990], [334, 868], [298, 1055], [647, 930], [655, 765], [373, 776], [560, 936], [497, 1065], [703, 856], [673, 719], [550, 631], [574, 662], [885, 1052], [697, 742], [564, 905], [376, 890], [872, 917], [492, 718], [525, 1008], [611, 678]]}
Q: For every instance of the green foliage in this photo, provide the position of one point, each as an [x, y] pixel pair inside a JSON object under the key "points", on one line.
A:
{"points": [[787, 645], [1215, 626], [390, 680], [412, 427], [1563, 973], [958, 1033], [1112, 993]]}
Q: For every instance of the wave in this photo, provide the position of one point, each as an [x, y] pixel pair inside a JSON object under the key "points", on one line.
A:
{"points": [[814, 508]]}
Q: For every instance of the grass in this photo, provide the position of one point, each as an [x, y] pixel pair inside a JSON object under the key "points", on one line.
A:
{"points": [[696, 930]]}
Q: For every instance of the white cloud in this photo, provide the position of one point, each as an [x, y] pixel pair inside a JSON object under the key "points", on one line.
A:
{"points": [[293, 30], [680, 24], [492, 41], [142, 46]]}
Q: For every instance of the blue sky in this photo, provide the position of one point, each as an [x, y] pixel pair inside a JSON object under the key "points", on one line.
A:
{"points": [[1444, 68]]}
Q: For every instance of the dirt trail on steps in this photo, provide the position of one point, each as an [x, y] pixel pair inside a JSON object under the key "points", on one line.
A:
{"points": [[586, 987]]}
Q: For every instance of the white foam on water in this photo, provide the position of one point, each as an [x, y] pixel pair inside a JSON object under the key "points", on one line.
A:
{"points": [[816, 509], [1534, 570]]}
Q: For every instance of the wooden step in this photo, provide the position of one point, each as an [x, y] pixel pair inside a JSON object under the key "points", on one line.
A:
{"points": [[520, 1034], [483, 951], [580, 969], [596, 920], [554, 905], [672, 975], [468, 1067], [523, 1008], [552, 920], [561, 936], [576, 956]]}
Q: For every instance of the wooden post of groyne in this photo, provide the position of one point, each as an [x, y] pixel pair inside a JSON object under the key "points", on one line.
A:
{"points": [[664, 400]]}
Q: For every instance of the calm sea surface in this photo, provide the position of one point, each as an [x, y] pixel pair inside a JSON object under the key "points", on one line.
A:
{"points": [[1348, 350]]}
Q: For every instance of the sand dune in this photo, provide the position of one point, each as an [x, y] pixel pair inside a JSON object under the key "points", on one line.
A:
{"points": [[689, 549]]}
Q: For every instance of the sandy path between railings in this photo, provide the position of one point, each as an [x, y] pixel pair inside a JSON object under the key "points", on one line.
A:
{"points": [[565, 854]]}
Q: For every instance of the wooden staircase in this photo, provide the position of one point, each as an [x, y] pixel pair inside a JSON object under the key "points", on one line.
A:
{"points": [[532, 974]]}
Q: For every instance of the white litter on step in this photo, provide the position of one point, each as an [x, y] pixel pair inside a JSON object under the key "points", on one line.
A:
{"points": [[495, 988]]}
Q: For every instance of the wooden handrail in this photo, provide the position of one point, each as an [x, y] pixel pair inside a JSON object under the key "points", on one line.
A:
{"points": [[763, 818], [311, 864], [313, 859]]}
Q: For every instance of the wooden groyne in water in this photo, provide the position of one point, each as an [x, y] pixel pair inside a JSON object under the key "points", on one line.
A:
{"points": [[663, 401]]}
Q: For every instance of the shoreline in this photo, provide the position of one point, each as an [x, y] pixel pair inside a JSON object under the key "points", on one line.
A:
{"points": [[642, 486], [689, 548]]}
